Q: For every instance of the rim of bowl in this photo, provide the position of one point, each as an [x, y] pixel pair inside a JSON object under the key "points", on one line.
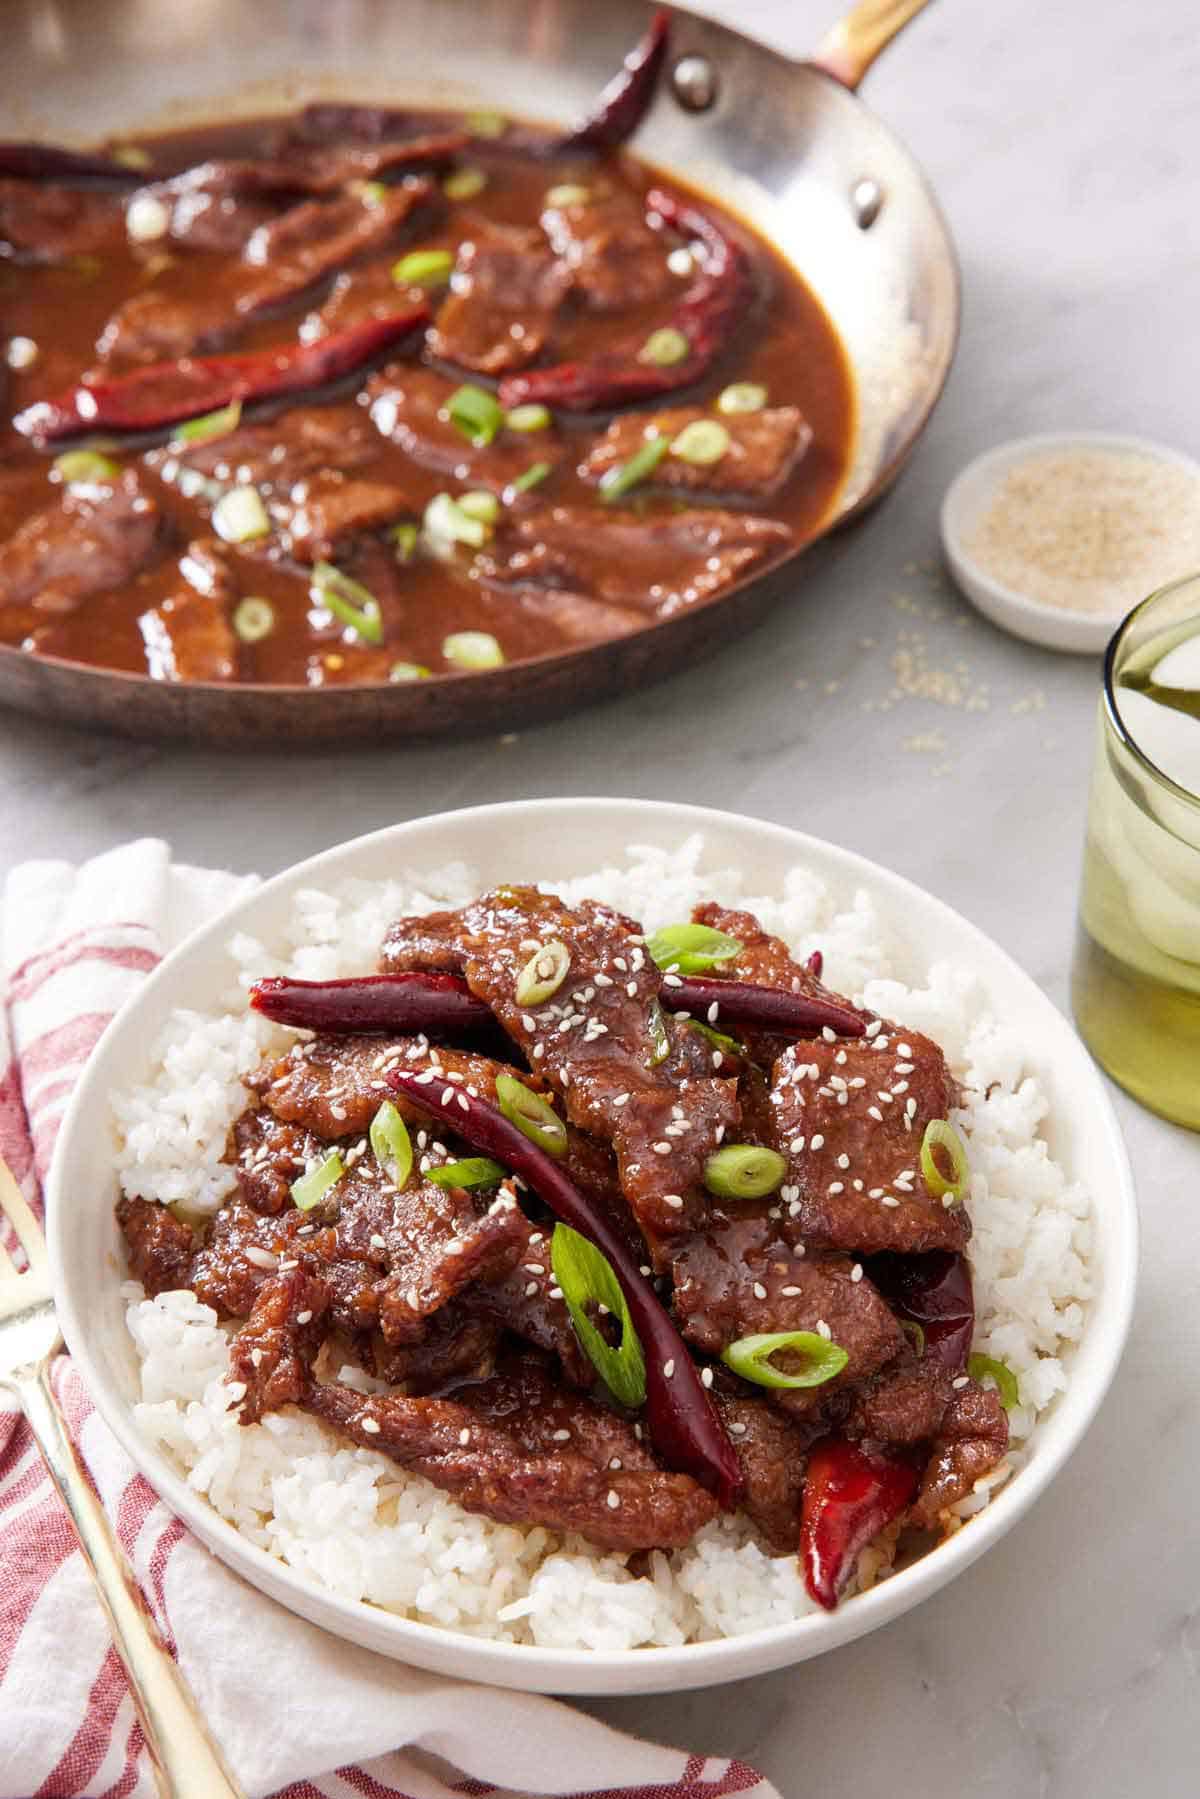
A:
{"points": [[1062, 1429], [1112, 709], [989, 465]]}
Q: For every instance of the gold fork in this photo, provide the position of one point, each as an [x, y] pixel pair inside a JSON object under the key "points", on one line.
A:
{"points": [[187, 1763]]}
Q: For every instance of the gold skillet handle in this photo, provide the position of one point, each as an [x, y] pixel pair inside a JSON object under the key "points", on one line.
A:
{"points": [[848, 51], [187, 1763]]}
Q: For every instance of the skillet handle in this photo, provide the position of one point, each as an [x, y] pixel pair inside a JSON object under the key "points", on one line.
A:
{"points": [[848, 50]]}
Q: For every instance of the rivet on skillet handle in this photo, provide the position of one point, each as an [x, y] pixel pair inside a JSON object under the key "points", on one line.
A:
{"points": [[694, 82], [848, 51]]}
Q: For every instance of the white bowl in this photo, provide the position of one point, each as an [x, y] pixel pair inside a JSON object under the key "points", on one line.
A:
{"points": [[542, 839], [967, 499]]}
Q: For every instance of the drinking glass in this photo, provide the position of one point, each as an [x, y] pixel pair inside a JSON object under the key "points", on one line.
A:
{"points": [[1135, 984]]}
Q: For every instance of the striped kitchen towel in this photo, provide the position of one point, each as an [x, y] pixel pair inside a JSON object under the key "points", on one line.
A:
{"points": [[299, 1713]]}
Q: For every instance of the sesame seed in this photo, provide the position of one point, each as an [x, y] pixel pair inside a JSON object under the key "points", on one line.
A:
{"points": [[836, 1187], [904, 1049], [673, 1200], [256, 1356], [828, 1035], [796, 1145], [905, 1067], [668, 1370], [378, 1242], [823, 1330], [910, 1107], [843, 1161], [622, 1099], [760, 1292], [737, 1430], [714, 1012], [613, 1500], [717, 1058], [603, 980], [662, 1149], [706, 1377], [840, 1057], [464, 1437], [530, 1289], [237, 1389], [561, 1436], [889, 1200], [303, 1317], [961, 1381], [631, 988], [873, 1029], [672, 980], [817, 1142], [874, 1112], [261, 1258], [790, 1292], [856, 1272], [899, 1088], [556, 1293], [527, 1023], [372, 1426]]}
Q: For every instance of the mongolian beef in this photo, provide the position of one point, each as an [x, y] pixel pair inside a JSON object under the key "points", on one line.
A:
{"points": [[626, 1232], [361, 395]]}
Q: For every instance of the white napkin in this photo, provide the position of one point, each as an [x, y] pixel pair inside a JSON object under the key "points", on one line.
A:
{"points": [[298, 1713]]}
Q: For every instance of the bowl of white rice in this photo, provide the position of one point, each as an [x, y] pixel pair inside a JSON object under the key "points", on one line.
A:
{"points": [[345, 1538]]}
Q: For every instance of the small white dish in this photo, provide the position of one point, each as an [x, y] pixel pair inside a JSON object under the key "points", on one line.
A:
{"points": [[966, 500], [542, 840]]}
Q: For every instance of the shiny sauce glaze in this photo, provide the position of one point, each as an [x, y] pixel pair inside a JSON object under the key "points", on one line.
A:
{"points": [[562, 562]]}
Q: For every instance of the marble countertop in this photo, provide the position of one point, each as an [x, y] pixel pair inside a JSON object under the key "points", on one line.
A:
{"points": [[1059, 138]]}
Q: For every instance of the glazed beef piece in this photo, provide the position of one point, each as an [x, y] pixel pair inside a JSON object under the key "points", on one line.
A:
{"points": [[268, 1155], [270, 1358], [850, 1118], [529, 1303], [771, 1452], [95, 538], [764, 448], [654, 566], [456, 1348], [504, 293], [40, 223], [189, 635], [972, 1438], [366, 292], [522, 1450], [613, 258], [240, 1250], [159, 1246], [410, 407]]}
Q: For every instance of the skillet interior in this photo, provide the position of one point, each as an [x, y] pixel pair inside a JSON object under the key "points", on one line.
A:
{"points": [[782, 144]]}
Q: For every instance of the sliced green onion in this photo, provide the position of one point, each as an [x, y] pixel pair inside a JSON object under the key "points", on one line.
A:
{"points": [[473, 650], [85, 468], [446, 523], [643, 462], [131, 156], [986, 1367], [404, 537], [349, 601], [423, 268], [742, 396], [210, 425], [586, 1278], [532, 477], [253, 619], [691, 948], [916, 1331], [543, 974], [371, 193], [743, 1171], [940, 1134], [486, 124], [529, 418], [532, 1115], [312, 1187], [240, 515], [568, 193], [660, 1037], [702, 443], [730, 1046], [751, 1358], [665, 347], [409, 671], [392, 1144], [464, 184], [483, 506], [472, 1171], [477, 414]]}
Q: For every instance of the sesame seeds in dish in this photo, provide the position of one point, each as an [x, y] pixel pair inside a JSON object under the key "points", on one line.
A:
{"points": [[667, 1563]]}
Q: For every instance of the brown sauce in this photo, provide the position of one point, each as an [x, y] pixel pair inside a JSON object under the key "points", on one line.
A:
{"points": [[784, 342]]}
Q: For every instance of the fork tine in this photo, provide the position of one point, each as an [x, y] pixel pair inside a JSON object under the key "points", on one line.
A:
{"points": [[12, 1203]]}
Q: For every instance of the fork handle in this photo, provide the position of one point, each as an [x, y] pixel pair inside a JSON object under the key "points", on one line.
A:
{"points": [[187, 1763]]}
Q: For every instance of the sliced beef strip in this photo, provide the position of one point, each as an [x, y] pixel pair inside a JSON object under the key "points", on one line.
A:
{"points": [[573, 617], [268, 1154], [971, 1440], [595, 1042], [771, 1451], [614, 258], [368, 292], [94, 539], [161, 1247], [500, 1449], [658, 564], [171, 317], [764, 448], [271, 1356], [739, 1277], [241, 1249], [504, 293], [189, 635], [456, 1348], [410, 407], [528, 1302], [850, 1119], [45, 223]]}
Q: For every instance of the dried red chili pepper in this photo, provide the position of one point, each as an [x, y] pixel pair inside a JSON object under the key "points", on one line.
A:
{"points": [[704, 316], [625, 101], [149, 399], [933, 1290], [849, 1497], [440, 1004], [686, 1430]]}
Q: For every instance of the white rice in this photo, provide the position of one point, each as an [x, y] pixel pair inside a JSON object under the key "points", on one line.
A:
{"points": [[347, 1518]]}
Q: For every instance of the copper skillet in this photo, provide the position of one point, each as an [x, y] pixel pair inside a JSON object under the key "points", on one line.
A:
{"points": [[788, 145]]}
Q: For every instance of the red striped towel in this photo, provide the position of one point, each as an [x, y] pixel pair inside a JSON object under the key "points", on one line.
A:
{"points": [[299, 1714]]}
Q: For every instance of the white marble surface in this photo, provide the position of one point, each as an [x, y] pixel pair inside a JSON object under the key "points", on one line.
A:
{"points": [[1060, 139]]}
